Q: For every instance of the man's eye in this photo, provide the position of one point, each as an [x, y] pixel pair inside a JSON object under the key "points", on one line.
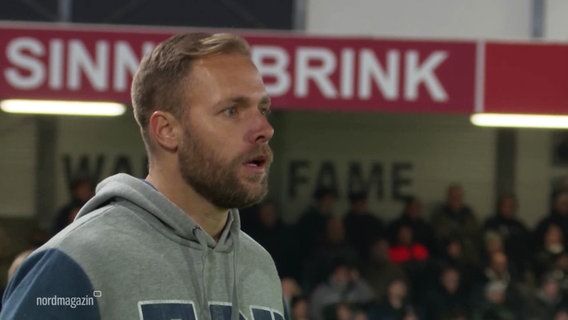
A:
{"points": [[265, 111], [231, 112]]}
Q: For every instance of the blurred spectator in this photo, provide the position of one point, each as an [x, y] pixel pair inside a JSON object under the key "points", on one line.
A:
{"points": [[300, 308], [290, 289], [561, 315], [81, 191], [378, 270], [456, 315], [268, 229], [453, 255], [498, 272], [446, 299], [410, 315], [405, 249], [560, 271], [39, 236], [362, 226], [494, 305], [18, 261], [412, 257], [311, 224], [558, 215], [548, 299], [396, 304], [344, 311], [411, 216], [492, 243], [513, 232], [456, 219], [550, 250], [13, 267], [334, 248], [342, 285]]}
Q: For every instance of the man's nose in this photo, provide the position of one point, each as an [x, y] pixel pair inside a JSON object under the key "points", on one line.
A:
{"points": [[261, 131]]}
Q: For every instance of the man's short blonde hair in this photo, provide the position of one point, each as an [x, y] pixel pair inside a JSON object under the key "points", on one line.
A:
{"points": [[161, 80]]}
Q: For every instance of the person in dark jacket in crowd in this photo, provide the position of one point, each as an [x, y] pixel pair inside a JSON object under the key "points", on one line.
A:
{"points": [[378, 269], [515, 235], [361, 225], [549, 251], [81, 190], [494, 304], [453, 255], [455, 218], [333, 248], [396, 304], [558, 216], [343, 285], [267, 227], [548, 299], [411, 216], [447, 297], [310, 227], [495, 280]]}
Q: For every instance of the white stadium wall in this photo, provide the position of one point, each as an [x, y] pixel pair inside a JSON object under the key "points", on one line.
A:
{"points": [[17, 165], [462, 19], [97, 147], [555, 24], [416, 154]]}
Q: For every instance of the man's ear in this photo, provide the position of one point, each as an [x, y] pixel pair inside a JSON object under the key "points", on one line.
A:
{"points": [[165, 130]]}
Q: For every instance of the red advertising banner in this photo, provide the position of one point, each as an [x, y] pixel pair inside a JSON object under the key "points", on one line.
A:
{"points": [[526, 78], [300, 72], [367, 74], [82, 62], [71, 63]]}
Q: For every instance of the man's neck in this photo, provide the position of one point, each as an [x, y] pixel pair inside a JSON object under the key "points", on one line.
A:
{"points": [[211, 218]]}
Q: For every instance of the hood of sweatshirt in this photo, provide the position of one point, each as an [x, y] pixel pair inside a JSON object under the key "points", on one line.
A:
{"points": [[143, 195]]}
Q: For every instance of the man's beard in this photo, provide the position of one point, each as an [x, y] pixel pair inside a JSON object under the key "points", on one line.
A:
{"points": [[218, 182]]}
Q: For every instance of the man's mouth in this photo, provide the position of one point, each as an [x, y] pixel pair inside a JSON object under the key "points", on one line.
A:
{"points": [[257, 162]]}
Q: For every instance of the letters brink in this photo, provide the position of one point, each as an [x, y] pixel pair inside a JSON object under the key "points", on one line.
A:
{"points": [[72, 302]]}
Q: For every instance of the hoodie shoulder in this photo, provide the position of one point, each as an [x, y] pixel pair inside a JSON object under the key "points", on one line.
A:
{"points": [[251, 244], [250, 247], [50, 285]]}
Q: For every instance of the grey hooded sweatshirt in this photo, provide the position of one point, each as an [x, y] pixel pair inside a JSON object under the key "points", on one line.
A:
{"points": [[133, 254]]}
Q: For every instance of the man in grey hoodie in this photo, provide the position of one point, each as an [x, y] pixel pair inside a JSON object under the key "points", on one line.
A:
{"points": [[170, 246]]}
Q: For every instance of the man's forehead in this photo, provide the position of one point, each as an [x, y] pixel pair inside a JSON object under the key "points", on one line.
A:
{"points": [[227, 77], [226, 67]]}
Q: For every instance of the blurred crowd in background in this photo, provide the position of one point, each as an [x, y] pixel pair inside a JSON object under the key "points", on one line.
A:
{"points": [[439, 265]]}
